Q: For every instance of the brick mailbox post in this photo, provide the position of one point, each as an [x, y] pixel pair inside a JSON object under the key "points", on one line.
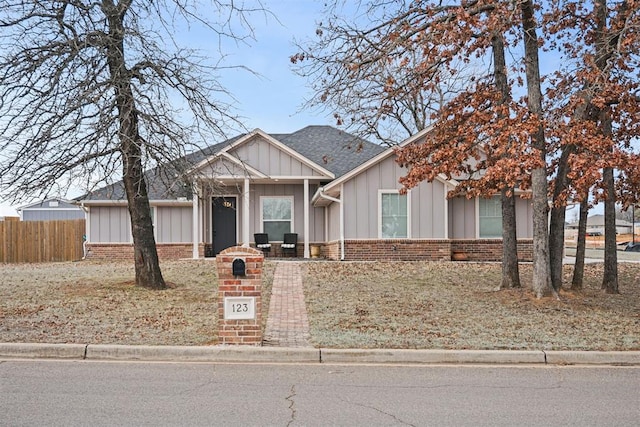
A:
{"points": [[240, 296]]}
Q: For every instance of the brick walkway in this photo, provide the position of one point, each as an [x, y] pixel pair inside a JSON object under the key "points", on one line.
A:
{"points": [[287, 324]]}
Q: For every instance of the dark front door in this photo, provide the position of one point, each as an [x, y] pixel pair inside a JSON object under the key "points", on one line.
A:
{"points": [[224, 223]]}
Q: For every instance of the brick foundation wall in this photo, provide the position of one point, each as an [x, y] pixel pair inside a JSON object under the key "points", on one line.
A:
{"points": [[124, 251], [240, 331], [428, 250], [490, 249], [390, 250]]}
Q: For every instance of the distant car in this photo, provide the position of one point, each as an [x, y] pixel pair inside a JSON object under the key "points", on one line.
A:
{"points": [[632, 247], [594, 233]]}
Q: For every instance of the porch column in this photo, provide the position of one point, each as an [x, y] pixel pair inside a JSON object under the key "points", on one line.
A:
{"points": [[196, 221], [306, 218], [341, 222], [245, 213]]}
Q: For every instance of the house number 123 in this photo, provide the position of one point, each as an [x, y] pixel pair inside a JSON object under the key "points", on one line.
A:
{"points": [[240, 308]]}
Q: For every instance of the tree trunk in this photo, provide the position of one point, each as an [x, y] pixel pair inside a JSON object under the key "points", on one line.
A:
{"points": [[510, 271], [558, 215], [581, 246], [541, 268], [147, 266], [610, 278], [603, 54]]}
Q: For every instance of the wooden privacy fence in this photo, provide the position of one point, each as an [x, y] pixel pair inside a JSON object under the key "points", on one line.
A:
{"points": [[41, 241]]}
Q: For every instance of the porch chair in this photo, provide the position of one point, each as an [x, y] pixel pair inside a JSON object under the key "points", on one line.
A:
{"points": [[290, 244], [262, 242]]}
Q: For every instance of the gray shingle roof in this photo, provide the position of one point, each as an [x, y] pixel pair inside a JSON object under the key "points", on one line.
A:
{"points": [[331, 148]]}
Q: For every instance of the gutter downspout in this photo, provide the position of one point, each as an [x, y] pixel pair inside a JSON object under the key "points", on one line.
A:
{"points": [[86, 231], [333, 199], [195, 219]]}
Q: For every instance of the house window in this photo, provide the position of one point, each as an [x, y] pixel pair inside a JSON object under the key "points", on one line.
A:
{"points": [[394, 215], [490, 218], [277, 216]]}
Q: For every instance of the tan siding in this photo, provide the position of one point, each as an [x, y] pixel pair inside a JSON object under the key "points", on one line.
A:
{"points": [[174, 224], [524, 218], [428, 211], [462, 222], [295, 190], [223, 167], [362, 210], [271, 160], [333, 211], [462, 217], [109, 224]]}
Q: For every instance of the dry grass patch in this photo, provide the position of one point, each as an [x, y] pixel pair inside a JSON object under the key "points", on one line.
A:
{"points": [[97, 302], [456, 306], [368, 305]]}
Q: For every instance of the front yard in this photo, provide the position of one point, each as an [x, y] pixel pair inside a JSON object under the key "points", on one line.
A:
{"points": [[350, 304]]}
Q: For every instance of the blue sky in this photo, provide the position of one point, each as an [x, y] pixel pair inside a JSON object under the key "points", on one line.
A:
{"points": [[271, 101]]}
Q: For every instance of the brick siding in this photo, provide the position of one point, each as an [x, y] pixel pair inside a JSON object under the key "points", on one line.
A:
{"points": [[244, 331], [428, 250], [124, 251], [388, 250]]}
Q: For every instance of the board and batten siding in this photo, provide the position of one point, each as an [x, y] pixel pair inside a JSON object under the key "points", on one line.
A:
{"points": [[361, 210], [174, 224], [109, 224], [271, 160], [462, 218], [524, 221], [223, 167], [316, 215]]}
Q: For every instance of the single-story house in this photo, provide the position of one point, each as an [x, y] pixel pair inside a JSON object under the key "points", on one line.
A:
{"points": [[334, 190], [53, 209], [595, 226]]}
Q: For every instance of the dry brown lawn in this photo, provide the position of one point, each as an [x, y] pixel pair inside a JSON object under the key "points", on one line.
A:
{"points": [[457, 306], [368, 305]]}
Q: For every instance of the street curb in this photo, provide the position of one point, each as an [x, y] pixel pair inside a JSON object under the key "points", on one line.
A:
{"points": [[432, 356], [558, 357], [251, 354], [43, 351], [202, 353]]}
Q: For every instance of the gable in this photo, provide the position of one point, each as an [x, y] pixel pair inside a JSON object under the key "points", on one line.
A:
{"points": [[319, 153], [52, 204], [274, 161], [261, 156], [229, 167]]}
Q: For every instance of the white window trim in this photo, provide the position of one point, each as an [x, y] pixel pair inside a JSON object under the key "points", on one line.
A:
{"points": [[380, 193], [293, 213], [478, 220]]}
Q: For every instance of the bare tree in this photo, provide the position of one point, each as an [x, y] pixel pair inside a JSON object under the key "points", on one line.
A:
{"points": [[375, 85], [92, 91], [393, 68]]}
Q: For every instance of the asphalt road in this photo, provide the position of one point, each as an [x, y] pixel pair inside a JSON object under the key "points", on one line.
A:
{"points": [[82, 393], [597, 255]]}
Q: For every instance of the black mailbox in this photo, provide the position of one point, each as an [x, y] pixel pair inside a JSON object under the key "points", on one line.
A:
{"points": [[238, 267]]}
